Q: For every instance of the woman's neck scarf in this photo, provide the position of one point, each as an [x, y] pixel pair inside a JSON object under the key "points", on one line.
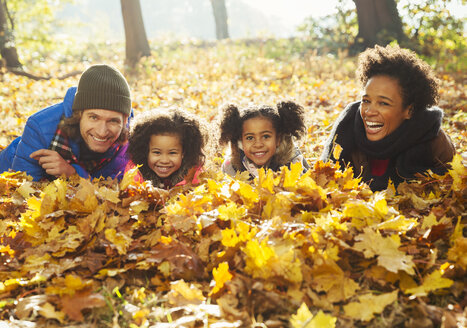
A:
{"points": [[408, 147]]}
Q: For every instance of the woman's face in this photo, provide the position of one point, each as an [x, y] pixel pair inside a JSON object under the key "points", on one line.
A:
{"points": [[382, 108]]}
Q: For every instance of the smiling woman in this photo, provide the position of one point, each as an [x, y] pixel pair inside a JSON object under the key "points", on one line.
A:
{"points": [[394, 131]]}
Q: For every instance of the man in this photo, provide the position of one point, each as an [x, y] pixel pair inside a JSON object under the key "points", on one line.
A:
{"points": [[85, 134]]}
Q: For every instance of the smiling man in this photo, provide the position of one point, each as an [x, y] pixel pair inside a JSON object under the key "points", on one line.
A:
{"points": [[86, 134]]}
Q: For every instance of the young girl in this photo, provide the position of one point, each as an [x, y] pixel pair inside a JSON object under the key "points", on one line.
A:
{"points": [[169, 144], [262, 136]]}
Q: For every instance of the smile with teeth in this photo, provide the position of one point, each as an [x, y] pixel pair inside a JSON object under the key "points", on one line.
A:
{"points": [[99, 139], [374, 126], [163, 168], [259, 153]]}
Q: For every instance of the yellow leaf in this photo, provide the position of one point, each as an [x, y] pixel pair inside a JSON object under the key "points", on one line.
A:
{"points": [[399, 223], [229, 238], [368, 305], [458, 253], [291, 176], [305, 319], [109, 194], [231, 211], [328, 277], [120, 240], [246, 192], [257, 258], [458, 231], [73, 282], [166, 240], [336, 152], [190, 293], [7, 249], [429, 221], [26, 189], [129, 177], [47, 310], [138, 206], [371, 243], [221, 275], [302, 318], [433, 281], [458, 173], [266, 180]]}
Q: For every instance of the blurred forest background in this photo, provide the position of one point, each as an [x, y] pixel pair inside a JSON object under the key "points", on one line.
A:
{"points": [[75, 30]]}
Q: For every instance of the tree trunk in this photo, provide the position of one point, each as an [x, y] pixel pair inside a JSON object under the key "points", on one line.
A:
{"points": [[220, 16], [7, 41], [378, 23], [136, 41]]}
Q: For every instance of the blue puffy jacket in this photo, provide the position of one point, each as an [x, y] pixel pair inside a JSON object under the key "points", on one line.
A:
{"points": [[38, 134]]}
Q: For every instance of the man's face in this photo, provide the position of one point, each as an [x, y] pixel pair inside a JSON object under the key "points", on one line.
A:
{"points": [[100, 128]]}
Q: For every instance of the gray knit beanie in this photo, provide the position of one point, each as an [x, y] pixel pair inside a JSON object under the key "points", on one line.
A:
{"points": [[103, 87]]}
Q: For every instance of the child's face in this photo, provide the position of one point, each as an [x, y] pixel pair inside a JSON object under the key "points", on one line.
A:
{"points": [[165, 154], [260, 140]]}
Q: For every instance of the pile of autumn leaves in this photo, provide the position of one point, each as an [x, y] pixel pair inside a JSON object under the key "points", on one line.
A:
{"points": [[312, 250]]}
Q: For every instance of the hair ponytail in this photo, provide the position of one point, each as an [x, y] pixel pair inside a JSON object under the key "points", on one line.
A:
{"points": [[230, 125], [292, 120]]}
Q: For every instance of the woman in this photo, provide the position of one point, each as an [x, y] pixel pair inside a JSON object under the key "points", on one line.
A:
{"points": [[393, 132]]}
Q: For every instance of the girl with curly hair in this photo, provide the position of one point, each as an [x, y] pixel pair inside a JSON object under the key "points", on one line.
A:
{"points": [[261, 136], [169, 144], [394, 131]]}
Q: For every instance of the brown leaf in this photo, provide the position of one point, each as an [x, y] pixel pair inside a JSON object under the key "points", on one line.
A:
{"points": [[73, 305]]}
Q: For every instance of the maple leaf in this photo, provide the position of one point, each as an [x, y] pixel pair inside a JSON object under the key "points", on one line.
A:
{"points": [[433, 281], [48, 311], [26, 189], [305, 319], [291, 176], [265, 180], [129, 177], [189, 293], [246, 192], [231, 211], [120, 240], [73, 305], [458, 253], [221, 275], [328, 277], [371, 243], [368, 305], [458, 173], [399, 223]]}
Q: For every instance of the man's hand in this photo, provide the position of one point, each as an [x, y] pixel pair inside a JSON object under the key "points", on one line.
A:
{"points": [[53, 163]]}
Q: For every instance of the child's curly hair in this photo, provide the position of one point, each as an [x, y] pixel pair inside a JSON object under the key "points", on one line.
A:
{"points": [[416, 78], [162, 121], [287, 119]]}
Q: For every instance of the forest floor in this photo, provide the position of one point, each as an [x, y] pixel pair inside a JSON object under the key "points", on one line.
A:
{"points": [[318, 250]]}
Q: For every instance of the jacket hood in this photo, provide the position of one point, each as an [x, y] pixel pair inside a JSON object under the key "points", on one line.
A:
{"points": [[68, 101]]}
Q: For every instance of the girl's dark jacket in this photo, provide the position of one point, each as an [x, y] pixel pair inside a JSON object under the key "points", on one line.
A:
{"points": [[416, 146], [286, 154]]}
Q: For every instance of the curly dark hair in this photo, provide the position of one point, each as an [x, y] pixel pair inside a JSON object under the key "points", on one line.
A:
{"points": [[160, 121], [287, 119], [70, 127], [415, 77]]}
